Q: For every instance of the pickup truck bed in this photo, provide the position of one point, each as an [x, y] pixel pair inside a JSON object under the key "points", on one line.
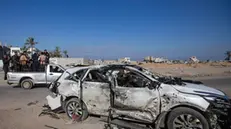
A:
{"points": [[28, 79]]}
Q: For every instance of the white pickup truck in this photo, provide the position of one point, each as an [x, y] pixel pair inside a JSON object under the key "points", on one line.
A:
{"points": [[29, 79]]}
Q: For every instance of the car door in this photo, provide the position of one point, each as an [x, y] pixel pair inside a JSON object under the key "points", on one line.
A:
{"points": [[96, 93], [139, 99]]}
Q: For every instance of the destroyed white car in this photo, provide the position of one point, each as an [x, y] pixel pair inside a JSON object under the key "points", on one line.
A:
{"points": [[136, 96]]}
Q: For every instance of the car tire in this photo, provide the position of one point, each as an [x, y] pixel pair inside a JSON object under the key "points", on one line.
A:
{"points": [[83, 114], [181, 115], [27, 84]]}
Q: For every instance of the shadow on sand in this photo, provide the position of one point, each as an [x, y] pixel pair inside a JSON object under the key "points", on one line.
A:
{"points": [[34, 87]]}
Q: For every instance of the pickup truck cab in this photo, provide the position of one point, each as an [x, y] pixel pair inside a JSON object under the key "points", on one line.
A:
{"points": [[29, 79]]}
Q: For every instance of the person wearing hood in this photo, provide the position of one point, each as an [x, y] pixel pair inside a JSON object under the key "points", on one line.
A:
{"points": [[35, 62]]}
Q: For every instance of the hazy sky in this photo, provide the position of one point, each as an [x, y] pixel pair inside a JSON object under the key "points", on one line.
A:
{"points": [[118, 28]]}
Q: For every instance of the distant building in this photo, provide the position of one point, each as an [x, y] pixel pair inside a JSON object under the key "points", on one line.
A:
{"points": [[98, 62], [149, 59], [110, 61], [14, 49], [125, 60], [193, 59], [160, 60]]}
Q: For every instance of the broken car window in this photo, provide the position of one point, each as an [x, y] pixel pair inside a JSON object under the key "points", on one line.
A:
{"points": [[51, 68], [77, 75], [127, 78], [55, 69], [95, 76]]}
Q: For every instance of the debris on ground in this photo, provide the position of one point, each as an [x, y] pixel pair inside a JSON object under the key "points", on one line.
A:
{"points": [[32, 103], [50, 127], [47, 111], [227, 72], [75, 118], [17, 109]]}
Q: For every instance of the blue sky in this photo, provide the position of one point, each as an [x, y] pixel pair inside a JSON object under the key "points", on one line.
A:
{"points": [[111, 29]]}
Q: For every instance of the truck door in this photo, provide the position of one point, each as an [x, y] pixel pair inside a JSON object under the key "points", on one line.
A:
{"points": [[53, 72]]}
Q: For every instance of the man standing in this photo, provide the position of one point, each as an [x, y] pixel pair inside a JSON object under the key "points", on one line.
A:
{"points": [[42, 60], [47, 56], [23, 61], [35, 64], [6, 62], [15, 62]]}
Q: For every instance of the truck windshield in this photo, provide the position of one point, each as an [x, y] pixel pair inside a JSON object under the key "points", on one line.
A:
{"points": [[58, 77], [61, 67]]}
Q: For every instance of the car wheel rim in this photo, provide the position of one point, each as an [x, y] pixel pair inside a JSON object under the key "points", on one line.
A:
{"points": [[74, 109], [26, 84], [187, 121]]}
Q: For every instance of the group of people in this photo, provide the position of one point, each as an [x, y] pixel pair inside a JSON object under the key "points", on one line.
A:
{"points": [[22, 62]]}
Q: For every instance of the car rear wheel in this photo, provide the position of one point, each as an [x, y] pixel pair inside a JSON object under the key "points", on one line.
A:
{"points": [[74, 111], [27, 84], [186, 118]]}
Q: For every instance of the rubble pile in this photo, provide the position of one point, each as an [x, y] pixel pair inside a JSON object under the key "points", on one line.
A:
{"points": [[47, 111]]}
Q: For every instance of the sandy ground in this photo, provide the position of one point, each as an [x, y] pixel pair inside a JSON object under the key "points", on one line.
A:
{"points": [[193, 70], [16, 114]]}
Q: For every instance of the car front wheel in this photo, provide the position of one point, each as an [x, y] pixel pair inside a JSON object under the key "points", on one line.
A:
{"points": [[74, 111], [186, 118]]}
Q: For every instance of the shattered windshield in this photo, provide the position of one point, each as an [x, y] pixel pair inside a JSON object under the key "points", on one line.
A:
{"points": [[161, 78], [76, 75], [149, 72]]}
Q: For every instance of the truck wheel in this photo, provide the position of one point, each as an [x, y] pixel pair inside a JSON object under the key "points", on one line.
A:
{"points": [[74, 111], [186, 118], [27, 83]]}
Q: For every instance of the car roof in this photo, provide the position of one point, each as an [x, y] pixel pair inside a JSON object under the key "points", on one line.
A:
{"points": [[131, 67], [74, 69]]}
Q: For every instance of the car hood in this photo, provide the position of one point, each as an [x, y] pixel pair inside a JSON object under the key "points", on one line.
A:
{"points": [[198, 89]]}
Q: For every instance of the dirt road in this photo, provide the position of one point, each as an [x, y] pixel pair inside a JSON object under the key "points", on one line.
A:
{"points": [[17, 114]]}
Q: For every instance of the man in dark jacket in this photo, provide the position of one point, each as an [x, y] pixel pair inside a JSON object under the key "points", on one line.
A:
{"points": [[15, 62], [35, 64], [6, 62], [47, 56]]}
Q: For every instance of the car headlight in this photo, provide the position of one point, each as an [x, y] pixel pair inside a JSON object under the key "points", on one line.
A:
{"points": [[219, 102]]}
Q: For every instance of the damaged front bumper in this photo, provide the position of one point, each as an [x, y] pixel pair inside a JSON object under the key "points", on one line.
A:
{"points": [[223, 119], [220, 115], [54, 102]]}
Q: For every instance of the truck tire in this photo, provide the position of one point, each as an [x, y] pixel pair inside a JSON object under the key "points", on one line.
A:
{"points": [[186, 118], [27, 84], [73, 105]]}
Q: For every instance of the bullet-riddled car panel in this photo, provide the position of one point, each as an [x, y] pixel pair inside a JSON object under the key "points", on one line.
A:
{"points": [[135, 93]]}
